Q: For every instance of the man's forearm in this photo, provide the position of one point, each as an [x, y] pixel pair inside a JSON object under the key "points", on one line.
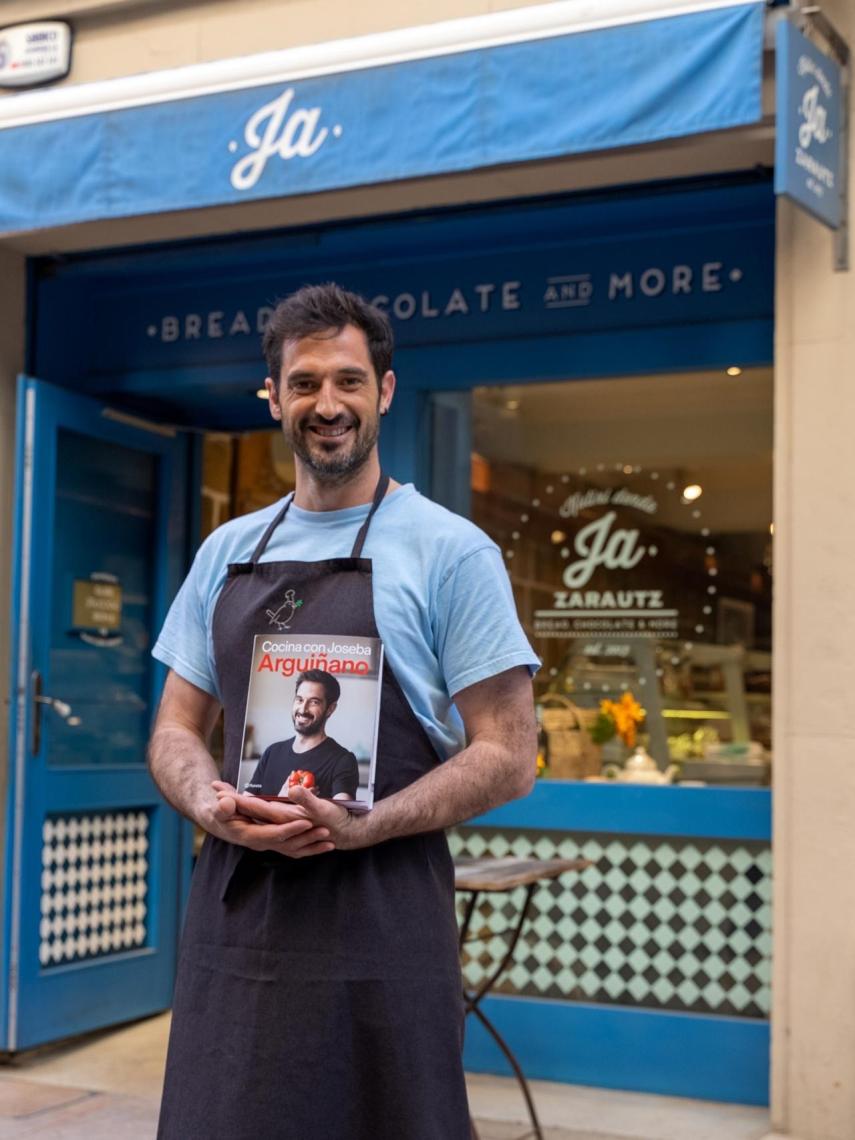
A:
{"points": [[480, 777], [183, 769]]}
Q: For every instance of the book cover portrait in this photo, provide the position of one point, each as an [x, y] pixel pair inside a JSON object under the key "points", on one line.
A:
{"points": [[312, 714]]}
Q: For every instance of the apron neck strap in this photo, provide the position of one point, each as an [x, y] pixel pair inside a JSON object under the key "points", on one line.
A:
{"points": [[379, 495], [265, 538]]}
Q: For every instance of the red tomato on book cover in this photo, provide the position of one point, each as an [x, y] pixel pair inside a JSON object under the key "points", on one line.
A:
{"points": [[302, 777]]}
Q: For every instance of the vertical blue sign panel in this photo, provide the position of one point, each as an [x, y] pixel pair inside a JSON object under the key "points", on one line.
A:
{"points": [[807, 147]]}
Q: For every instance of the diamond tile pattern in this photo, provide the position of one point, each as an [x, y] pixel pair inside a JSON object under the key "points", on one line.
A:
{"points": [[679, 924], [94, 885]]}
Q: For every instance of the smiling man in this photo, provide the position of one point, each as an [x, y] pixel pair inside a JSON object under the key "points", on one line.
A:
{"points": [[334, 768], [341, 431], [368, 1045]]}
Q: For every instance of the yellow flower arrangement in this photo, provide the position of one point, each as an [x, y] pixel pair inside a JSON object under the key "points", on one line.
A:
{"points": [[618, 718]]}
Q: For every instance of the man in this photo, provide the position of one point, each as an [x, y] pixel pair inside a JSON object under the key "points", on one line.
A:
{"points": [[335, 771], [319, 993]]}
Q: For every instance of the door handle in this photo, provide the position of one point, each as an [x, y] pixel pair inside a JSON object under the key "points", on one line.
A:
{"points": [[40, 699]]}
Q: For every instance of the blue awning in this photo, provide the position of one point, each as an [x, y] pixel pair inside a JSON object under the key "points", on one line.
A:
{"points": [[677, 72]]}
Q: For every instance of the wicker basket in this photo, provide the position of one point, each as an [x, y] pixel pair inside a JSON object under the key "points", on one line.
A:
{"points": [[572, 753]]}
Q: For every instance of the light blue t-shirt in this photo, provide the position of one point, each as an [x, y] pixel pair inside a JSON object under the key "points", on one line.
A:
{"points": [[442, 599]]}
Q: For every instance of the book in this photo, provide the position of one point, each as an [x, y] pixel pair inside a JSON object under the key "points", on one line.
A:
{"points": [[312, 717]]}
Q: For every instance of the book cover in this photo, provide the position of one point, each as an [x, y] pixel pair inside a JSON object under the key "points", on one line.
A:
{"points": [[312, 716]]}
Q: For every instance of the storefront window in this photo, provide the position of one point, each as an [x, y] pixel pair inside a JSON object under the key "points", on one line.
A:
{"points": [[635, 520], [243, 473]]}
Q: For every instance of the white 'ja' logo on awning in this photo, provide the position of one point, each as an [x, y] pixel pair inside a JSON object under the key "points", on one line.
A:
{"points": [[272, 130]]}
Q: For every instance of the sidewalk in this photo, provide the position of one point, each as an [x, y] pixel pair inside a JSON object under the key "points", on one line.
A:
{"points": [[107, 1087]]}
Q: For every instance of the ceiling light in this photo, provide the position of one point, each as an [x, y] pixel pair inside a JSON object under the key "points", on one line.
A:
{"points": [[692, 492], [734, 370], [627, 470], [558, 536], [512, 405], [261, 393]]}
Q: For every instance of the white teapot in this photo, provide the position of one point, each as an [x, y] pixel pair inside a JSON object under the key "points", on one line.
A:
{"points": [[641, 768]]}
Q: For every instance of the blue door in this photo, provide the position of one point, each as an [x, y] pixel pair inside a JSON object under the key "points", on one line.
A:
{"points": [[95, 861]]}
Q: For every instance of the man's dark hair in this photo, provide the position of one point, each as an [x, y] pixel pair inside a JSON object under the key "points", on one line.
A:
{"points": [[326, 308], [332, 688]]}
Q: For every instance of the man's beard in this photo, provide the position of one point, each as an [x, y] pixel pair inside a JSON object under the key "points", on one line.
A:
{"points": [[339, 466], [314, 728]]}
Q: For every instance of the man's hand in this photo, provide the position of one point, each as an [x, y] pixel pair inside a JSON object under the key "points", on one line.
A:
{"points": [[324, 816], [243, 820]]}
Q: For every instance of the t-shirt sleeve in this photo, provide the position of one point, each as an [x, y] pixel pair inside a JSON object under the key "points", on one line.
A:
{"points": [[256, 781], [478, 632], [184, 641], [346, 775]]}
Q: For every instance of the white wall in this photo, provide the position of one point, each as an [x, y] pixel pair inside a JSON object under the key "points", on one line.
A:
{"points": [[813, 1068], [126, 37]]}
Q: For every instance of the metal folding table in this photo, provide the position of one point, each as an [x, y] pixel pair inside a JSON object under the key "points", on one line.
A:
{"points": [[491, 875]]}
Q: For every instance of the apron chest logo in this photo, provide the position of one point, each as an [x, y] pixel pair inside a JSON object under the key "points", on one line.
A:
{"points": [[283, 617]]}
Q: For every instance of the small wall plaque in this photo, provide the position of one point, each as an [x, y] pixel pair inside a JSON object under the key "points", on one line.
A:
{"points": [[33, 54], [96, 605]]}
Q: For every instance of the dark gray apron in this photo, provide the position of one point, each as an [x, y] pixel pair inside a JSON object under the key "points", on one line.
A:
{"points": [[317, 998]]}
